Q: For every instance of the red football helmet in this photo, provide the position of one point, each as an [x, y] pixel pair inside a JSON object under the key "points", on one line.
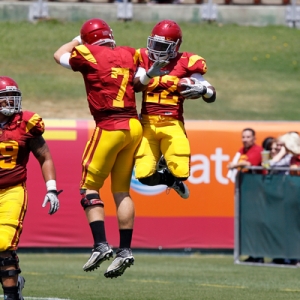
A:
{"points": [[10, 95], [164, 41], [97, 32]]}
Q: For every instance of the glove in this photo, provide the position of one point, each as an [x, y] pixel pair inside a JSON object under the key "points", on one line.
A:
{"points": [[195, 90], [155, 69], [51, 197]]}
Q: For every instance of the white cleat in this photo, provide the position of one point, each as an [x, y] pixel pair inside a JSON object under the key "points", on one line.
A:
{"points": [[123, 260], [181, 189], [100, 253]]}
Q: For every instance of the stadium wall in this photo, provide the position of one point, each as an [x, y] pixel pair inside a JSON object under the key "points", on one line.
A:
{"points": [[238, 14], [163, 219]]}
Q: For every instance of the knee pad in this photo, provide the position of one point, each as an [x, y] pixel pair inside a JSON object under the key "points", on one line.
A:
{"points": [[90, 200], [10, 260]]}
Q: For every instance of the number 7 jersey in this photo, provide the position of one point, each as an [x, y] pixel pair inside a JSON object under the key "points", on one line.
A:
{"points": [[161, 96], [108, 77]]}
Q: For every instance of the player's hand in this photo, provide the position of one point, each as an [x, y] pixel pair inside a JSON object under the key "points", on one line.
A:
{"points": [[51, 197], [194, 90], [155, 69]]}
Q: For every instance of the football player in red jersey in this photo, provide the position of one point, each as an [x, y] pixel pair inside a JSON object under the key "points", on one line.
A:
{"points": [[20, 134], [108, 73], [162, 107]]}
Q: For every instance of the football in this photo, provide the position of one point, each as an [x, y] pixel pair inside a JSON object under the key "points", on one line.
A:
{"points": [[181, 87]]}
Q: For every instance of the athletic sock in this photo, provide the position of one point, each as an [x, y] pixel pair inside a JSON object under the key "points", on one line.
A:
{"points": [[125, 238], [98, 231]]}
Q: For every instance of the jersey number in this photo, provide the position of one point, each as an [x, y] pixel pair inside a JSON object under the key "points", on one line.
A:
{"points": [[8, 154], [115, 72], [167, 95]]}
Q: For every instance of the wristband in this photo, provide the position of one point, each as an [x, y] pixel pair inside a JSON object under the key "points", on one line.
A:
{"points": [[51, 185], [209, 93], [145, 79], [78, 39]]}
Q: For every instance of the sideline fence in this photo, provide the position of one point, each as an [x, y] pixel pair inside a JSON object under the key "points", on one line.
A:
{"points": [[267, 207]]}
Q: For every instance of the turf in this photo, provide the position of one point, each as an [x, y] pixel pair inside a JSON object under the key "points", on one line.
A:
{"points": [[256, 70], [156, 277]]}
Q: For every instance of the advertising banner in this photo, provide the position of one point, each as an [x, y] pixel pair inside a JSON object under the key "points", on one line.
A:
{"points": [[163, 220]]}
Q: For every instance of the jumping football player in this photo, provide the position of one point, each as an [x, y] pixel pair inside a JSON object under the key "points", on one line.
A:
{"points": [[162, 107], [108, 73]]}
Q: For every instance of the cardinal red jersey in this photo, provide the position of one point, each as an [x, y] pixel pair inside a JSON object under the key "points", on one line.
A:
{"points": [[14, 146], [108, 75], [161, 96]]}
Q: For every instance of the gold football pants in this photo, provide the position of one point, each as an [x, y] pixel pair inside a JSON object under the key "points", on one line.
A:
{"points": [[111, 152], [13, 206], [167, 136]]}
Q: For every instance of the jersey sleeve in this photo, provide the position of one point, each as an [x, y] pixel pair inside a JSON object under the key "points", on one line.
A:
{"points": [[34, 124], [142, 57], [80, 58], [195, 63]]}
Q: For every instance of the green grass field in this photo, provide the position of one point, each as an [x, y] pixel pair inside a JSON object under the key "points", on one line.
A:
{"points": [[256, 71], [156, 277]]}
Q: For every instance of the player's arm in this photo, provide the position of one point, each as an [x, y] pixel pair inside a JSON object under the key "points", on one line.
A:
{"points": [[143, 77], [210, 95], [40, 150], [201, 88], [62, 54], [137, 84]]}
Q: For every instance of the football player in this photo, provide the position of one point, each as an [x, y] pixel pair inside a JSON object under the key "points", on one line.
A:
{"points": [[161, 67], [108, 73], [20, 134]]}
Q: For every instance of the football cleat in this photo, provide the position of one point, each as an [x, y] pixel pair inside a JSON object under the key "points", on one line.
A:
{"points": [[180, 188], [21, 284], [162, 164], [122, 261], [100, 253]]}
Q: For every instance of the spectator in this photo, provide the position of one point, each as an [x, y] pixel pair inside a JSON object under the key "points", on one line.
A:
{"points": [[250, 152], [20, 134], [291, 143], [108, 74], [274, 148], [279, 157], [266, 154], [250, 156], [267, 142]]}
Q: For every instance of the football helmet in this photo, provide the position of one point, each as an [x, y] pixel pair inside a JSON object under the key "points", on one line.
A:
{"points": [[10, 95], [164, 41], [97, 32]]}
